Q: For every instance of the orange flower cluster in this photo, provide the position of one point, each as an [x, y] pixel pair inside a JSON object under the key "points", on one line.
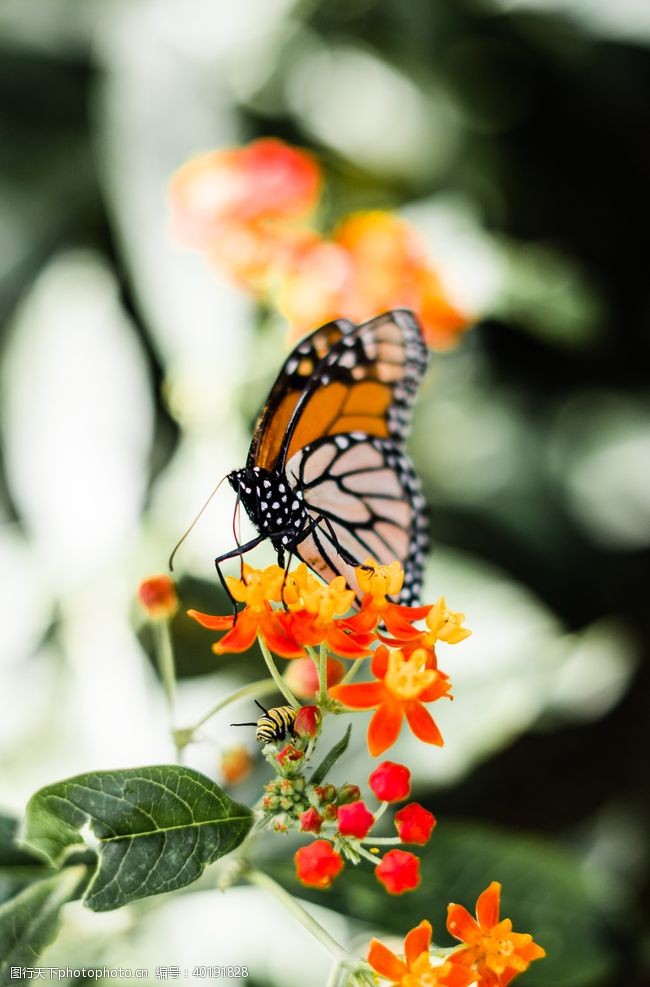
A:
{"points": [[492, 955], [247, 209], [312, 613]]}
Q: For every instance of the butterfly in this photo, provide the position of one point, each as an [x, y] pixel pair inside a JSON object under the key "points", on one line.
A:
{"points": [[327, 478]]}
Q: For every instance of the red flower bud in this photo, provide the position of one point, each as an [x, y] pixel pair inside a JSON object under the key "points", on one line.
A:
{"points": [[318, 864], [354, 820], [390, 782], [348, 793], [399, 871], [307, 721], [330, 812], [158, 597], [311, 821], [414, 823]]}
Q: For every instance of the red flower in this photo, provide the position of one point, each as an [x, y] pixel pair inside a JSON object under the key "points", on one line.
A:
{"points": [[493, 950], [236, 764], [158, 597], [399, 871], [391, 782], [318, 864], [403, 686], [311, 821], [414, 824], [354, 819]]}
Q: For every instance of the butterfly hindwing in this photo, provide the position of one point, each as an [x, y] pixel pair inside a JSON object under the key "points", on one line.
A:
{"points": [[368, 498]]}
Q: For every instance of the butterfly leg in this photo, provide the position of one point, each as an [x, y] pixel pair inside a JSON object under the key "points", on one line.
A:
{"points": [[239, 551], [343, 552]]}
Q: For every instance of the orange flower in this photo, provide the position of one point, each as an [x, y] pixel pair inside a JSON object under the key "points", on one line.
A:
{"points": [[442, 625], [496, 953], [315, 622], [416, 970], [264, 181], [236, 765], [376, 582], [403, 686], [258, 588]]}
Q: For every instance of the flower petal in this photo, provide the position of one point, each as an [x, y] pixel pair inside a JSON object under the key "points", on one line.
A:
{"points": [[348, 645], [487, 906], [422, 724], [461, 925], [417, 941], [379, 663], [213, 622], [384, 727], [385, 962], [361, 695], [277, 637], [242, 636]]}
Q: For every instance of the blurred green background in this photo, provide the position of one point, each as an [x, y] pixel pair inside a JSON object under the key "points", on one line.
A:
{"points": [[515, 134]]}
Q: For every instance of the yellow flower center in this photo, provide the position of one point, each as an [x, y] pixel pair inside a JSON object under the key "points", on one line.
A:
{"points": [[327, 601], [380, 580], [407, 678], [258, 586], [423, 974]]}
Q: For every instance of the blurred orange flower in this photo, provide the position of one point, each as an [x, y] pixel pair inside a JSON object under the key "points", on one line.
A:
{"points": [[266, 180], [416, 970]]}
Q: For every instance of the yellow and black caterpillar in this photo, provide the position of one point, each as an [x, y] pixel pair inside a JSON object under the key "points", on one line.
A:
{"points": [[274, 725]]}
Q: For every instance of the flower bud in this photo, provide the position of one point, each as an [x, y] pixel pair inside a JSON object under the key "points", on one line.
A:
{"points": [[307, 722], [302, 676], [414, 823], [158, 597], [325, 793], [288, 754], [399, 871], [390, 782], [318, 864], [354, 819], [348, 793], [311, 821]]}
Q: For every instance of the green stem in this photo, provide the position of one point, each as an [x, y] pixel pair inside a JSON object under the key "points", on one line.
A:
{"points": [[322, 675], [277, 678], [165, 660], [264, 881], [352, 671], [261, 688], [373, 858], [381, 839]]}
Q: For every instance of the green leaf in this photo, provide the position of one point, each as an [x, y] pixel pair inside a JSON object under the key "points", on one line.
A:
{"points": [[156, 828], [30, 921], [330, 759], [17, 867]]}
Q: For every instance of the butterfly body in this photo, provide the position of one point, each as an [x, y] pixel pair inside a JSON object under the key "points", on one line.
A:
{"points": [[327, 478]]}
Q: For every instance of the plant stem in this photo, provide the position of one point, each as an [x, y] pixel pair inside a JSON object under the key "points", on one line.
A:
{"points": [[381, 839], [277, 678], [165, 660], [352, 671], [260, 688], [322, 674], [264, 881]]}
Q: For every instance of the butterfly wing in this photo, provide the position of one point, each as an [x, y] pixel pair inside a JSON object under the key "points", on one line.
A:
{"points": [[368, 496], [334, 426]]}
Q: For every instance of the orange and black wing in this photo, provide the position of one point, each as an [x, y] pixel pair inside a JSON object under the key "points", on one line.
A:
{"points": [[288, 391], [342, 379]]}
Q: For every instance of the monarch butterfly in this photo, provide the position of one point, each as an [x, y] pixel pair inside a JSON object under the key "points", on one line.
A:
{"points": [[326, 477], [274, 725]]}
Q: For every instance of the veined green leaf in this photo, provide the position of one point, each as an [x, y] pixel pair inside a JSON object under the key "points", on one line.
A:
{"points": [[30, 920], [155, 828]]}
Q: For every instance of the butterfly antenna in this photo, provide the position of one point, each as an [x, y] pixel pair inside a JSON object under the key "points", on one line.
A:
{"points": [[186, 533]]}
